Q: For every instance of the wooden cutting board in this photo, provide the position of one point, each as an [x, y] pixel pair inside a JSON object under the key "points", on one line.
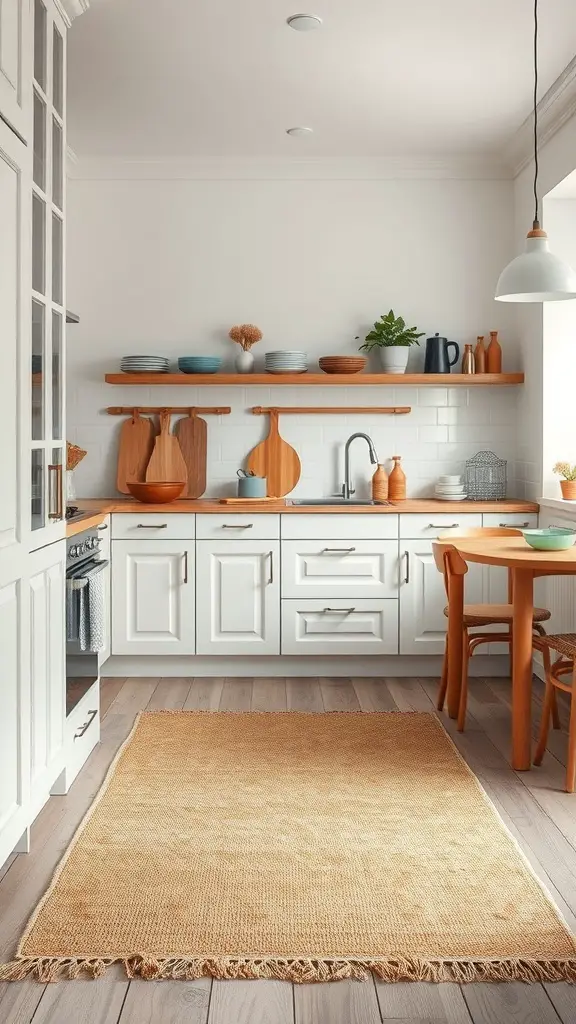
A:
{"points": [[276, 460], [135, 448], [192, 434], [167, 462]]}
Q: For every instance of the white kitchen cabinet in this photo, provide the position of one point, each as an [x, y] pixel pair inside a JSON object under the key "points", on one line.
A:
{"points": [[344, 568], [15, 61], [237, 526], [104, 554], [15, 720], [339, 525], [423, 598], [428, 525], [47, 597], [153, 597], [157, 526], [238, 597], [339, 627]]}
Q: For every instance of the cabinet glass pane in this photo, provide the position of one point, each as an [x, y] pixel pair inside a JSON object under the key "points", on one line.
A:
{"points": [[37, 492], [57, 375], [57, 256], [38, 365], [58, 72], [55, 485], [57, 163], [39, 162], [40, 39], [38, 244]]}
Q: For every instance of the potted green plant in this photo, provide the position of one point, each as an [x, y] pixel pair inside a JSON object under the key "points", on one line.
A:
{"points": [[392, 340], [568, 482]]}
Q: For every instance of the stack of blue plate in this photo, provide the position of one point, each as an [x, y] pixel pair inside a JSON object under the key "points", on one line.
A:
{"points": [[199, 364], [286, 362], [144, 364]]}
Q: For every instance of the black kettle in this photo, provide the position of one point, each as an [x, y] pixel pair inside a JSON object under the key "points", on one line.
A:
{"points": [[437, 358]]}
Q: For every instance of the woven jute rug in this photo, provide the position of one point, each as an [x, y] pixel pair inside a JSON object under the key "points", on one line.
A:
{"points": [[308, 847]]}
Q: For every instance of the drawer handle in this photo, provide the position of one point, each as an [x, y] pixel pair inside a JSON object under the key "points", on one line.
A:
{"points": [[237, 526], [152, 526], [514, 524], [449, 526], [80, 732], [344, 551], [103, 527], [347, 610]]}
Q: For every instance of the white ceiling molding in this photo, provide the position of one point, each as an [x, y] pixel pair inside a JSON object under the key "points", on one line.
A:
{"points": [[555, 108], [70, 9], [246, 169]]}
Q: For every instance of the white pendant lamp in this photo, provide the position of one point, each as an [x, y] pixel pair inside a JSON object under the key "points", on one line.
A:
{"points": [[537, 275]]}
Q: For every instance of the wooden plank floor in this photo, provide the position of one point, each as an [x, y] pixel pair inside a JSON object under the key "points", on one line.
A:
{"points": [[538, 813]]}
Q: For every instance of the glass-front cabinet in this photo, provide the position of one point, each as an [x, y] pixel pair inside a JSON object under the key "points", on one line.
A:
{"points": [[48, 443]]}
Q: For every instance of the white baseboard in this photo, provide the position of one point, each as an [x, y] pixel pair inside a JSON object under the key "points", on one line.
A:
{"points": [[394, 665]]}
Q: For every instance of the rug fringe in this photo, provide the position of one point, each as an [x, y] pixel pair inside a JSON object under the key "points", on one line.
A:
{"points": [[300, 971]]}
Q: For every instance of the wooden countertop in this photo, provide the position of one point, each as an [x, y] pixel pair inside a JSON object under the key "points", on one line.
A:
{"points": [[88, 522], [102, 506]]}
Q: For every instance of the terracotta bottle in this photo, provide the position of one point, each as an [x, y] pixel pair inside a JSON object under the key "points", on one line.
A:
{"points": [[397, 481], [480, 355], [494, 354], [380, 484], [468, 360]]}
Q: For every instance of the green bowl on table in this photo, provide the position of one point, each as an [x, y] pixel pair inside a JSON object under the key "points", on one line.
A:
{"points": [[551, 538]]}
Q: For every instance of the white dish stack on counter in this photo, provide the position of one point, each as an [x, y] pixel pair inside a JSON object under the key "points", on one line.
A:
{"points": [[450, 488]]}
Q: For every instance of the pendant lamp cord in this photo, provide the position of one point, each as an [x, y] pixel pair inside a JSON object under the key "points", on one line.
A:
{"points": [[536, 204]]}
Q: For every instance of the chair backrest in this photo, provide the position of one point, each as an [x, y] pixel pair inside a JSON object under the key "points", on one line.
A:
{"points": [[449, 562], [480, 531]]}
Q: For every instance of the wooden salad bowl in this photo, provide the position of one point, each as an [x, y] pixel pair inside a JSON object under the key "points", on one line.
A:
{"points": [[155, 493], [342, 364]]}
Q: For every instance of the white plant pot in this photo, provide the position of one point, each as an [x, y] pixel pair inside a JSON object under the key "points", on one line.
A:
{"points": [[244, 362], [394, 358]]}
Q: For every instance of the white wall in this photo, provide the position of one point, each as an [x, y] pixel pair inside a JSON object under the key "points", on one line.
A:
{"points": [[168, 266], [557, 160]]}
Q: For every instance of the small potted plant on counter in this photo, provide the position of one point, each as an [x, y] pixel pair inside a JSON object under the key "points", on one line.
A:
{"points": [[392, 339], [568, 482]]}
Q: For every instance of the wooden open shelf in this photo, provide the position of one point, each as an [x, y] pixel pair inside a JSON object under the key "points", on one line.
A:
{"points": [[324, 379]]}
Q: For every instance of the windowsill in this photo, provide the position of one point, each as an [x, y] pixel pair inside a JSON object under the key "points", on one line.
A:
{"points": [[562, 504]]}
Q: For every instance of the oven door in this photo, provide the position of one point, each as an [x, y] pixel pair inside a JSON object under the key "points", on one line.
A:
{"points": [[81, 659]]}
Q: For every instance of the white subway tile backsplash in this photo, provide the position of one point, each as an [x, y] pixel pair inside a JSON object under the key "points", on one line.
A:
{"points": [[433, 434], [432, 396]]}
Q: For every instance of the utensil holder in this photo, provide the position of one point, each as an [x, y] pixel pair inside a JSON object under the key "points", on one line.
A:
{"points": [[252, 487]]}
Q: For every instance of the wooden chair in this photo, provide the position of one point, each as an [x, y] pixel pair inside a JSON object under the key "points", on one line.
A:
{"points": [[565, 646], [451, 564]]}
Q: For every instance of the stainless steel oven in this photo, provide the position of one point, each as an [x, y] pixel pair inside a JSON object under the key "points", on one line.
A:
{"points": [[84, 612]]}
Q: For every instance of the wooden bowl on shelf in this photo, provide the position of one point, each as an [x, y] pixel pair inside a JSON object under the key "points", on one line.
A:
{"points": [[342, 364], [158, 493]]}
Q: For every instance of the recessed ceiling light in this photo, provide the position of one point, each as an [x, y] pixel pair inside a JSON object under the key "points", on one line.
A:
{"points": [[299, 131], [304, 22]]}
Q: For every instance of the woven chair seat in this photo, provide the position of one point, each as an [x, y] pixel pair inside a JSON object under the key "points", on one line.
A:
{"points": [[492, 614], [564, 643]]}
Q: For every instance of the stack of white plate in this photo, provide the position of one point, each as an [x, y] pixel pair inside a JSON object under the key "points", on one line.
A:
{"points": [[144, 364], [286, 362], [450, 488]]}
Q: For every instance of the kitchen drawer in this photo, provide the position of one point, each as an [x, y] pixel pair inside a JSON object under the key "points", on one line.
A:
{"points": [[526, 519], [431, 524], [344, 568], [340, 526], [82, 733], [236, 525], [153, 526], [338, 627]]}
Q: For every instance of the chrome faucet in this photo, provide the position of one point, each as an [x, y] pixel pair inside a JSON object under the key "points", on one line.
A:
{"points": [[347, 489]]}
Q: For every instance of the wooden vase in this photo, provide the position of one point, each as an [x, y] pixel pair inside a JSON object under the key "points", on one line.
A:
{"points": [[568, 488], [380, 484], [480, 355], [397, 481], [494, 354]]}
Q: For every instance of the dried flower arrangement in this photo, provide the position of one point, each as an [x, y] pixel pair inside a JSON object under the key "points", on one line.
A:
{"points": [[74, 455], [245, 335]]}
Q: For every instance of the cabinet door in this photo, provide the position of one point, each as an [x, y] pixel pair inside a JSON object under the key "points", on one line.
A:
{"points": [[340, 627], [423, 598], [344, 568], [238, 597], [47, 666], [152, 597], [15, 51]]}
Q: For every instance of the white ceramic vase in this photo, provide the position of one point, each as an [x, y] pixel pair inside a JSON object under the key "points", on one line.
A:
{"points": [[244, 362], [394, 358]]}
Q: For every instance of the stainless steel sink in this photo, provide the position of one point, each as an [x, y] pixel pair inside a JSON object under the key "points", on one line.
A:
{"points": [[336, 501]]}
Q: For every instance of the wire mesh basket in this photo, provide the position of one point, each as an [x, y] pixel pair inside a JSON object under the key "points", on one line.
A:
{"points": [[486, 477]]}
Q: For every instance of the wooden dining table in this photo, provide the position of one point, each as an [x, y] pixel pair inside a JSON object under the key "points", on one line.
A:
{"points": [[525, 565]]}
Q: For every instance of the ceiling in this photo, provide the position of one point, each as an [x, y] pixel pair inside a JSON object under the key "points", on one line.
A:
{"points": [[381, 78]]}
